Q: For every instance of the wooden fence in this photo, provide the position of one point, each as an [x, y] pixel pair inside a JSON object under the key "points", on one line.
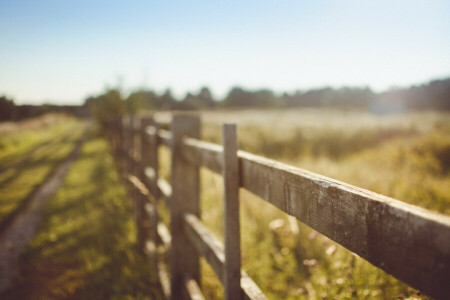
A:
{"points": [[406, 241]]}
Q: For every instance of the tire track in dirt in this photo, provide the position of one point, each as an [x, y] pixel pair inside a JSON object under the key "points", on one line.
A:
{"points": [[14, 239]]}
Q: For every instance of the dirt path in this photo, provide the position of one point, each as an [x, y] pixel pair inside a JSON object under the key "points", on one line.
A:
{"points": [[21, 230]]}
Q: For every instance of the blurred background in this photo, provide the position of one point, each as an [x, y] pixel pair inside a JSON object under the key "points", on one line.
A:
{"points": [[355, 90]]}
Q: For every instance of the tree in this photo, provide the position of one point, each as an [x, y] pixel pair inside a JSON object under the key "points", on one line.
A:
{"points": [[106, 107], [7, 109]]}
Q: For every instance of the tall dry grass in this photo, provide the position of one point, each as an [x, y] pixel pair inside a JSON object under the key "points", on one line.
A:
{"points": [[402, 156]]}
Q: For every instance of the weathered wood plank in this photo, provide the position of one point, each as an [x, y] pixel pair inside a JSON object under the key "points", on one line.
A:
{"points": [[192, 289], [203, 154], [406, 241], [185, 198], [380, 229], [232, 237], [205, 243], [213, 250]]}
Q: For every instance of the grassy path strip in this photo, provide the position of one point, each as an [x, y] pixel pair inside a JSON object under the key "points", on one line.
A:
{"points": [[18, 163], [86, 246], [23, 226], [16, 145], [36, 156], [21, 180]]}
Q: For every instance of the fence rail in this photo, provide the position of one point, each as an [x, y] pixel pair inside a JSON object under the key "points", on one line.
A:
{"points": [[409, 242]]}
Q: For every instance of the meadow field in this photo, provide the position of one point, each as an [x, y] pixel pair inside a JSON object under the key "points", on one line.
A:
{"points": [[406, 157], [86, 244]]}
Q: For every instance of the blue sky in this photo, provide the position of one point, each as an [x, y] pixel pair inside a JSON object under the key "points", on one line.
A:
{"points": [[63, 51]]}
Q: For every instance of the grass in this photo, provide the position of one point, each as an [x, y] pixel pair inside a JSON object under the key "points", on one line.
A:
{"points": [[405, 157], [19, 138], [27, 158], [86, 247]]}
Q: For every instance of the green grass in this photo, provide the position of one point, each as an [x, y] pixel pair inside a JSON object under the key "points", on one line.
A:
{"points": [[16, 144], [27, 157], [405, 157], [86, 247]]}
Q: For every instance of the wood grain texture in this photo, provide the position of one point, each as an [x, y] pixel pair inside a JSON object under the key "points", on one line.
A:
{"points": [[232, 237], [406, 241], [213, 250], [203, 154], [185, 181]]}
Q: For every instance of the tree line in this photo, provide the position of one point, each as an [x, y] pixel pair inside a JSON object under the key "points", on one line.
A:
{"points": [[9, 111], [434, 95]]}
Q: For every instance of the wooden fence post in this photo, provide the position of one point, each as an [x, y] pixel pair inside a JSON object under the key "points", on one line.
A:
{"points": [[147, 148], [136, 170], [149, 158], [232, 269], [152, 158], [184, 260]]}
